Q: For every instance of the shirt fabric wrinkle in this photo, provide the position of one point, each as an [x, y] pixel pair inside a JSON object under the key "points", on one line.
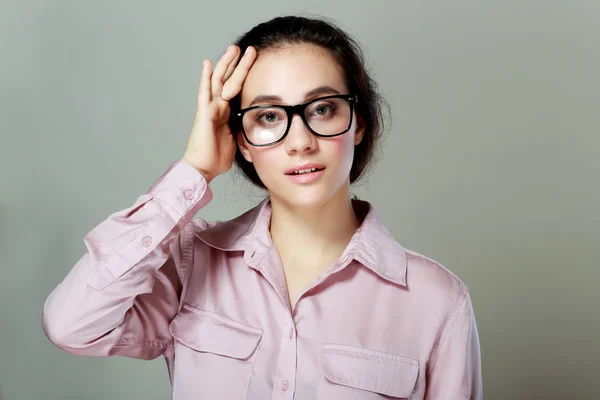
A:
{"points": [[228, 332]]}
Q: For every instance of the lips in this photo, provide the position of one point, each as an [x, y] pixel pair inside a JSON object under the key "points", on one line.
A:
{"points": [[304, 168], [307, 177]]}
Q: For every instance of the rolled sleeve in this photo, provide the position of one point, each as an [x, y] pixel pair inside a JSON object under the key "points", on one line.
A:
{"points": [[182, 188], [134, 233], [121, 294]]}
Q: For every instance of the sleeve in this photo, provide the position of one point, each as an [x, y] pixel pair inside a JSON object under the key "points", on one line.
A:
{"points": [[454, 368], [120, 297]]}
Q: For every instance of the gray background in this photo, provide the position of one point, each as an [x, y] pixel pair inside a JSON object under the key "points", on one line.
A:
{"points": [[490, 167]]}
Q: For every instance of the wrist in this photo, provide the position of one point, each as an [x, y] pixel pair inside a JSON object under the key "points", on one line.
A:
{"points": [[208, 177]]}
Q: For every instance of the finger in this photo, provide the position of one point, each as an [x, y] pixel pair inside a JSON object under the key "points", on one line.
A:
{"points": [[234, 84], [204, 92], [232, 66], [221, 69]]}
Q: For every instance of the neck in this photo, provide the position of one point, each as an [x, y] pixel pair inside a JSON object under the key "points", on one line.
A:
{"points": [[321, 231]]}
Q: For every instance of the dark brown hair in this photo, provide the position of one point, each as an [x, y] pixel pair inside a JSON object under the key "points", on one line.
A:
{"points": [[284, 31]]}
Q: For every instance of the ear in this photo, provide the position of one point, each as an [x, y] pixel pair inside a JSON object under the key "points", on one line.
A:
{"points": [[360, 130], [241, 142]]}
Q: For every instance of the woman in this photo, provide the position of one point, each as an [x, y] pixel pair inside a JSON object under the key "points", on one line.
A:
{"points": [[305, 296]]}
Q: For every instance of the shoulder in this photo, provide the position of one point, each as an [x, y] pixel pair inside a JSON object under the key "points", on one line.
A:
{"points": [[231, 234], [426, 268], [434, 284], [423, 276]]}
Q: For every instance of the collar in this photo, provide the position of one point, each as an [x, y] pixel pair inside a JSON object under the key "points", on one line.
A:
{"points": [[372, 244]]}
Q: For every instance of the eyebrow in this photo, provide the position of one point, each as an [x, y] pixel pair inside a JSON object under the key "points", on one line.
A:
{"points": [[321, 90]]}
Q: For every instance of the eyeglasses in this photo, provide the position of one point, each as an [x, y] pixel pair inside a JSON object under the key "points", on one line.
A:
{"points": [[267, 125]]}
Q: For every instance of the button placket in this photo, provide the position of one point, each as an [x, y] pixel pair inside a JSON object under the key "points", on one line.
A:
{"points": [[285, 372]]}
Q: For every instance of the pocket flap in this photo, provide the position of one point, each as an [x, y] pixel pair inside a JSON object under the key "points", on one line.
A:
{"points": [[206, 331], [370, 370]]}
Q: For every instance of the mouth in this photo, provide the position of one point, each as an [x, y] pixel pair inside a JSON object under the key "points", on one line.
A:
{"points": [[305, 168], [305, 171], [306, 176]]}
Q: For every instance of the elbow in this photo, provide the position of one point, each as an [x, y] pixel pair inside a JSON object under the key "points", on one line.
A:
{"points": [[56, 331], [63, 334]]}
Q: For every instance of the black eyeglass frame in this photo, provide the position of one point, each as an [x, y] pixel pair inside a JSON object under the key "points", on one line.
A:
{"points": [[297, 109]]}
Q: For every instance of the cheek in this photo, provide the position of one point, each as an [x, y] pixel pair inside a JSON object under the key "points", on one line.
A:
{"points": [[267, 162], [341, 151]]}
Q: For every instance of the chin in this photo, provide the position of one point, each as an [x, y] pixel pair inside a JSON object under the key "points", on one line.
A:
{"points": [[310, 195], [304, 197]]}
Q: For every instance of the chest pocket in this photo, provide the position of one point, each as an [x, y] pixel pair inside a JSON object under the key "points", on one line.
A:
{"points": [[353, 373], [214, 355]]}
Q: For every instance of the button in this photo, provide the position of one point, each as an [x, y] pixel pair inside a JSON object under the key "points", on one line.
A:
{"points": [[285, 385], [291, 333], [146, 241], [189, 194]]}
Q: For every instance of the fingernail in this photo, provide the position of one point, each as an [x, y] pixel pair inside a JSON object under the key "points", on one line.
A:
{"points": [[204, 63], [247, 48], [230, 47]]}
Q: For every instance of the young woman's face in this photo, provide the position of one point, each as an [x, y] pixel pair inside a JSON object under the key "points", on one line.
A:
{"points": [[288, 76]]}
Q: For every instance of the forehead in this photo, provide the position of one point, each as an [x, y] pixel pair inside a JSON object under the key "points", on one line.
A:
{"points": [[290, 72]]}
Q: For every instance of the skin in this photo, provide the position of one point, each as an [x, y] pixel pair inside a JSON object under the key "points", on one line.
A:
{"points": [[311, 224]]}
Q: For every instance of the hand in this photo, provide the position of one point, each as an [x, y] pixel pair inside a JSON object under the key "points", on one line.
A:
{"points": [[211, 146]]}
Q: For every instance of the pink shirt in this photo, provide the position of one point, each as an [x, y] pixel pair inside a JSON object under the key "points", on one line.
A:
{"points": [[381, 322]]}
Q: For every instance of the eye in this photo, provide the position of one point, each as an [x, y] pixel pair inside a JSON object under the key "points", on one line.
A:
{"points": [[322, 109], [269, 117]]}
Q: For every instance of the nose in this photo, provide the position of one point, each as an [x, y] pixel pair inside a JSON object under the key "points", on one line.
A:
{"points": [[299, 138]]}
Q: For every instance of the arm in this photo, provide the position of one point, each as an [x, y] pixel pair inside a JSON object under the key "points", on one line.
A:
{"points": [[120, 297], [454, 368]]}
